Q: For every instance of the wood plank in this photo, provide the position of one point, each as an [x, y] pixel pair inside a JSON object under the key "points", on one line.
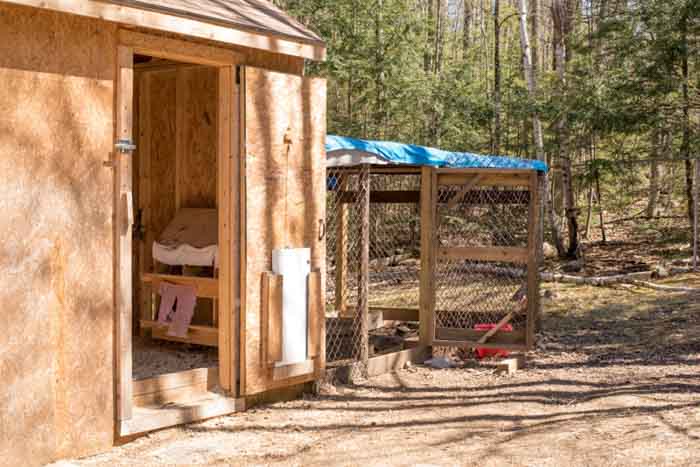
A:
{"points": [[178, 50], [200, 335], [497, 254], [341, 252], [427, 257], [272, 317], [125, 219], [175, 387], [316, 318], [189, 27], [533, 260], [206, 287], [395, 361], [243, 231], [363, 279], [470, 337], [224, 196], [176, 380], [156, 417], [382, 197], [470, 344], [285, 372], [387, 313], [473, 181], [495, 179]]}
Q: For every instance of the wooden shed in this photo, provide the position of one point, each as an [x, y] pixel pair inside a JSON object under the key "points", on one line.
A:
{"points": [[124, 126]]}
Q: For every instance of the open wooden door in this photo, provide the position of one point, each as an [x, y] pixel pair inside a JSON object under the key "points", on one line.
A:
{"points": [[480, 278], [283, 147]]}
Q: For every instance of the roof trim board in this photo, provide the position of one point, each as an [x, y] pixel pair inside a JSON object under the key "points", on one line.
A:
{"points": [[151, 19]]}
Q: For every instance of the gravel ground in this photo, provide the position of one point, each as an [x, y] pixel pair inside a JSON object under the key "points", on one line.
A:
{"points": [[615, 382]]}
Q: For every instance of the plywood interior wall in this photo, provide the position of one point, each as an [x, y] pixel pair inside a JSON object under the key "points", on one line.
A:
{"points": [[56, 252], [177, 145], [285, 130]]}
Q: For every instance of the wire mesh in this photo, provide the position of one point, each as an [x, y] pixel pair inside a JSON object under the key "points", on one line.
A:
{"points": [[345, 190], [394, 253], [472, 292], [394, 272]]}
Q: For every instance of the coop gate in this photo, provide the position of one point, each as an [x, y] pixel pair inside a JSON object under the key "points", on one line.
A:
{"points": [[485, 290]]}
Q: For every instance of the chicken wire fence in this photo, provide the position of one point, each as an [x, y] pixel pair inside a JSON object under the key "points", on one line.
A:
{"points": [[473, 293], [394, 253], [470, 290]]}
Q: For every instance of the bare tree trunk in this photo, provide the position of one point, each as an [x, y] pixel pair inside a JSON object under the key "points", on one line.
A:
{"points": [[496, 145], [466, 28], [652, 202], [599, 200], [685, 145], [380, 76], [562, 25], [531, 78]]}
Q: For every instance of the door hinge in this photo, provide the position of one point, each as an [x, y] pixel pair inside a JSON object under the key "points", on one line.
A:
{"points": [[125, 146]]}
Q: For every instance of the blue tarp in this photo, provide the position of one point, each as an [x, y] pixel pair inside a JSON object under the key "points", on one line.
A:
{"points": [[398, 153]]}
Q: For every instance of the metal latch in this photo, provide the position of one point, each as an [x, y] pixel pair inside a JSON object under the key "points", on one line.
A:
{"points": [[125, 146]]}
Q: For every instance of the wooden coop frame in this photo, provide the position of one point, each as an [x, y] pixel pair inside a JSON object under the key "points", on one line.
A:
{"points": [[428, 200]]}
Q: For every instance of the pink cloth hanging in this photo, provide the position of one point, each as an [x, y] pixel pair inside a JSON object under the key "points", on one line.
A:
{"points": [[183, 299]]}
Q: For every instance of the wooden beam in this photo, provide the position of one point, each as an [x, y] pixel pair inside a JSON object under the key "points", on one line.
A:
{"points": [[178, 50], [499, 254], [272, 317], [133, 16], [200, 335], [471, 338], [363, 279], [473, 181], [315, 320], [341, 252], [491, 179], [206, 287], [395, 361], [227, 223], [123, 225], [382, 197], [428, 204], [533, 260], [175, 387], [157, 417]]}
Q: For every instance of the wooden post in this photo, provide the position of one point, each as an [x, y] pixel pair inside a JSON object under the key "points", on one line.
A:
{"points": [[533, 262], [428, 206], [363, 279], [341, 251], [123, 225]]}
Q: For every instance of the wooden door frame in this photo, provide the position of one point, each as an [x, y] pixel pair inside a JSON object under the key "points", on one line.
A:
{"points": [[228, 183]]}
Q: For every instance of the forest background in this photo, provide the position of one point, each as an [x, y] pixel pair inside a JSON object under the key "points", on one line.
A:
{"points": [[613, 85]]}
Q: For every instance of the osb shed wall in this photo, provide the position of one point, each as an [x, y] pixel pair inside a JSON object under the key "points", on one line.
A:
{"points": [[56, 129]]}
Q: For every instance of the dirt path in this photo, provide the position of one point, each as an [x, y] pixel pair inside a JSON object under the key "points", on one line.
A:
{"points": [[615, 382]]}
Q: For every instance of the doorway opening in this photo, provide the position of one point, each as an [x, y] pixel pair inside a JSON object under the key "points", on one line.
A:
{"points": [[177, 340]]}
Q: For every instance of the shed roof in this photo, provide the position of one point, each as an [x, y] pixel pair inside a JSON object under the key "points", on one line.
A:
{"points": [[342, 151], [253, 15], [248, 23]]}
